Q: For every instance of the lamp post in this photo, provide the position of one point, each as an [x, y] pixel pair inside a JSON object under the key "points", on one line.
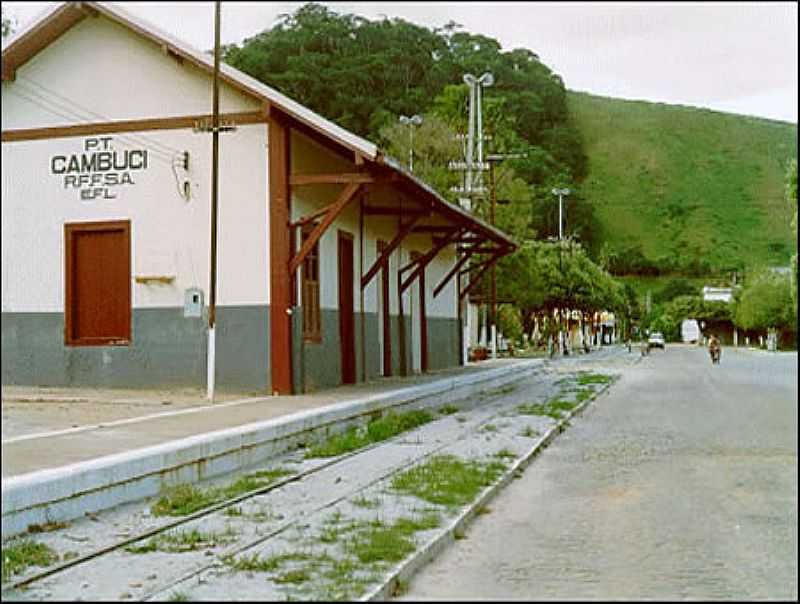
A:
{"points": [[414, 120], [560, 193]]}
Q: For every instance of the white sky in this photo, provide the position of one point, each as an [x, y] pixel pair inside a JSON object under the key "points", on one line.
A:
{"points": [[736, 57]]}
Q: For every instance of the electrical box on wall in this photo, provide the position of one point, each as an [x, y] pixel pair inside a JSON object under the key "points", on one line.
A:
{"points": [[193, 302]]}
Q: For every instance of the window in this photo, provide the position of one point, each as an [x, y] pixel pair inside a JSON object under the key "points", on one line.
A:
{"points": [[312, 324], [97, 306]]}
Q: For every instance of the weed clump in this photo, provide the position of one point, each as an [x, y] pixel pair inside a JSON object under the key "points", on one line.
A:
{"points": [[448, 480], [186, 499], [593, 378], [19, 556], [375, 431]]}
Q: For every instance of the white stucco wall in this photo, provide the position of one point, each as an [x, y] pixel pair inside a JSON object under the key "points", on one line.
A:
{"points": [[103, 72]]}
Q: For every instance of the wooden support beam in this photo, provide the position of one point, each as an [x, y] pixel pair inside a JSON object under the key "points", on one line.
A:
{"points": [[473, 283], [452, 272], [345, 197], [479, 250], [311, 217], [384, 257], [426, 259], [393, 211], [427, 228], [330, 179]]}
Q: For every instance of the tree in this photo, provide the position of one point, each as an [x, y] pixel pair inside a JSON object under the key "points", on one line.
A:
{"points": [[791, 197], [765, 302], [9, 24]]}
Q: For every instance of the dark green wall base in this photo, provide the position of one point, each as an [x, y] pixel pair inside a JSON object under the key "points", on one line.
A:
{"points": [[167, 349]]}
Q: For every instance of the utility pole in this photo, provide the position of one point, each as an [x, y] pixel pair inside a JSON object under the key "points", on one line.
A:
{"points": [[215, 129], [560, 193], [469, 190], [212, 296]]}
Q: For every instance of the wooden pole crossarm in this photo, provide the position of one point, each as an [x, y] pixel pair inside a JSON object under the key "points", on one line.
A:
{"points": [[452, 272], [331, 179], [384, 257], [333, 210], [426, 259], [474, 282]]}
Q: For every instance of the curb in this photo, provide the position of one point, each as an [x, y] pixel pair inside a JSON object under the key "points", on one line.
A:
{"points": [[69, 492], [411, 565]]}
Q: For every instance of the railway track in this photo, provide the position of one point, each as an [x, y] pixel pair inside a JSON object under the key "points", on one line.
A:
{"points": [[488, 412]]}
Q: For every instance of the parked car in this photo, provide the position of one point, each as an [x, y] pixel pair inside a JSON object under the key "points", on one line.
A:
{"points": [[656, 340]]}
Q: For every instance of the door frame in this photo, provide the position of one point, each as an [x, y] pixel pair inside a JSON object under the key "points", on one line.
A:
{"points": [[347, 344], [70, 230]]}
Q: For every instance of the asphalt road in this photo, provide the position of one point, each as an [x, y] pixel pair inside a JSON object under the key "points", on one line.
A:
{"points": [[681, 483]]}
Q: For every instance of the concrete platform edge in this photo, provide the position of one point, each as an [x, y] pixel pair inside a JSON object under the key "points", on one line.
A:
{"points": [[68, 492]]}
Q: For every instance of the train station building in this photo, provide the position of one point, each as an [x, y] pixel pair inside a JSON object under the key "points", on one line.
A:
{"points": [[334, 264]]}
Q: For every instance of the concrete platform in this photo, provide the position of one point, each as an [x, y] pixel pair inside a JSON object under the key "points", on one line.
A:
{"points": [[61, 475]]}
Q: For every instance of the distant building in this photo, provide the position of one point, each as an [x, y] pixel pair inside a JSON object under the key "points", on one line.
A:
{"points": [[717, 294]]}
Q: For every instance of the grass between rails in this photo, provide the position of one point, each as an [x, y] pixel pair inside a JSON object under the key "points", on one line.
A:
{"points": [[187, 499], [185, 541], [19, 556], [375, 431], [448, 480]]}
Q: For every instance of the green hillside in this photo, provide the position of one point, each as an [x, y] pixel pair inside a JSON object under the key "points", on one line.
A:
{"points": [[687, 183]]}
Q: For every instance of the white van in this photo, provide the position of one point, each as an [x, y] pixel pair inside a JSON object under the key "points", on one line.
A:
{"points": [[690, 331]]}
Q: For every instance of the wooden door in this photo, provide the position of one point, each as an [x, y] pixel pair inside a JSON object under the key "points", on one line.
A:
{"points": [[346, 315], [97, 283], [385, 325]]}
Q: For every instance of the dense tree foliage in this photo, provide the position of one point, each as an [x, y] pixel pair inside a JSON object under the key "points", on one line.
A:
{"points": [[8, 26], [791, 197], [765, 302], [553, 279], [363, 74]]}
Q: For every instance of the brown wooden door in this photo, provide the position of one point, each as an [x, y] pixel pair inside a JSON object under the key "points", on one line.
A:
{"points": [[385, 322], [98, 283], [346, 316]]}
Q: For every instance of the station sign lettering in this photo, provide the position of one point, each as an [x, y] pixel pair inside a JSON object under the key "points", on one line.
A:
{"points": [[99, 169]]}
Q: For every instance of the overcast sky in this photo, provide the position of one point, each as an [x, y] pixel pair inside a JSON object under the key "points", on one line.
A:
{"points": [[736, 57]]}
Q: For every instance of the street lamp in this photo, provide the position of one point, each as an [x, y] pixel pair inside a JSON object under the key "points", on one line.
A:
{"points": [[476, 84], [560, 193], [414, 120]]}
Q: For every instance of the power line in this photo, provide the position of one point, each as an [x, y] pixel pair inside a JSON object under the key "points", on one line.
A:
{"points": [[64, 113], [166, 148]]}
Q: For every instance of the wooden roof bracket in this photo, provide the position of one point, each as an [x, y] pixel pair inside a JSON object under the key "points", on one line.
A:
{"points": [[450, 274], [331, 212], [426, 259], [473, 282], [384, 257]]}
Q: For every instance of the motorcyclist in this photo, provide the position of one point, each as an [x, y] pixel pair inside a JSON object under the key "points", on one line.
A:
{"points": [[714, 348]]}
